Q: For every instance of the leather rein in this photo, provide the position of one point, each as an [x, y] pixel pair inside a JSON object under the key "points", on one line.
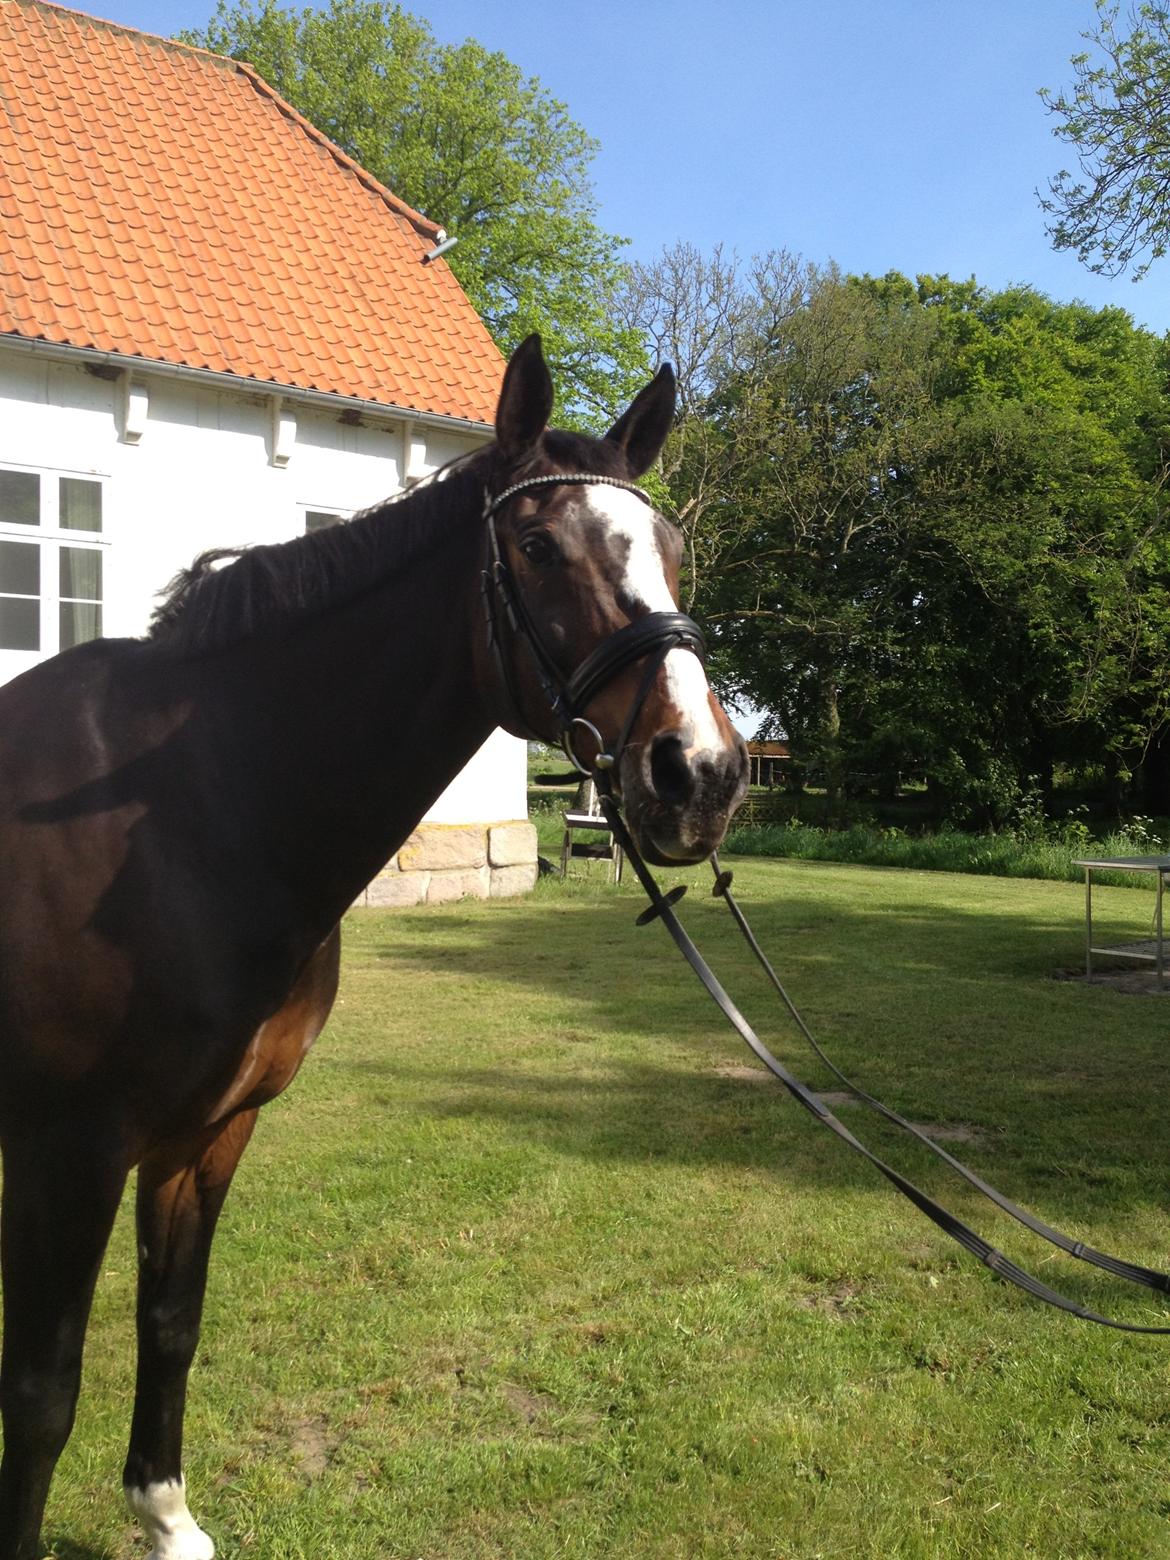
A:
{"points": [[653, 637]]}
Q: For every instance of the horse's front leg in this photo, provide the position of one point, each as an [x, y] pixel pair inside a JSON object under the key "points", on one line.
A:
{"points": [[181, 1189], [62, 1185]]}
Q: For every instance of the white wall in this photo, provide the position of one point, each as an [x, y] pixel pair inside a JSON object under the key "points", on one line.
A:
{"points": [[202, 474]]}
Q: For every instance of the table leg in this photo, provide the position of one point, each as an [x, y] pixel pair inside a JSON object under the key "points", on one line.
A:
{"points": [[1088, 923], [1158, 951]]}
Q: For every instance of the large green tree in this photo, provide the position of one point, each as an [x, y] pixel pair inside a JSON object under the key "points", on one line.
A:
{"points": [[1115, 210], [461, 134], [932, 533]]}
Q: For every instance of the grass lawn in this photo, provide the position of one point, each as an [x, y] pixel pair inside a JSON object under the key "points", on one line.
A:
{"points": [[526, 1264]]}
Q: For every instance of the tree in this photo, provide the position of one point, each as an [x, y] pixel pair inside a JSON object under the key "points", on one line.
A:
{"points": [[711, 317], [463, 136], [931, 529], [1117, 116], [811, 591]]}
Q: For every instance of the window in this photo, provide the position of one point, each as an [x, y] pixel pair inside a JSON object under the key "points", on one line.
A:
{"points": [[51, 558], [322, 519]]}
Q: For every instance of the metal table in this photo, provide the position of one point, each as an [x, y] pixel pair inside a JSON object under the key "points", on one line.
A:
{"points": [[1149, 952]]}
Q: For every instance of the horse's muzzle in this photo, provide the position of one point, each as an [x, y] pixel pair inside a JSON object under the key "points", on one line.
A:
{"points": [[680, 799]]}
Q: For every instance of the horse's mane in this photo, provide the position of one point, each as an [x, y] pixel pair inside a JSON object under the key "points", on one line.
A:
{"points": [[275, 586]]}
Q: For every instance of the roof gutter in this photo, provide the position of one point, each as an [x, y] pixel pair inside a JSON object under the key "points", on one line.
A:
{"points": [[324, 400]]}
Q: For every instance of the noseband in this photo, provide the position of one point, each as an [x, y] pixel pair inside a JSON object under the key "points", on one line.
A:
{"points": [[654, 636]]}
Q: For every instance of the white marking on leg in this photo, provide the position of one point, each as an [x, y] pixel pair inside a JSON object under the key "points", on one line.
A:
{"points": [[626, 516], [171, 1529]]}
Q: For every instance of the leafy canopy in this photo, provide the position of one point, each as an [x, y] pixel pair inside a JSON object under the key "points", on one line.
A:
{"points": [[1116, 210], [925, 521], [461, 134]]}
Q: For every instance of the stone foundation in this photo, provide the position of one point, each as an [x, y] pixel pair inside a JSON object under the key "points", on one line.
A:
{"points": [[445, 861]]}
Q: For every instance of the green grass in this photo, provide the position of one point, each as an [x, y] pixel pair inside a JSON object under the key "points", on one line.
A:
{"points": [[517, 1268]]}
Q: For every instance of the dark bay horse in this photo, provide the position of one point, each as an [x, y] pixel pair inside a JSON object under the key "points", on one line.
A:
{"points": [[185, 818]]}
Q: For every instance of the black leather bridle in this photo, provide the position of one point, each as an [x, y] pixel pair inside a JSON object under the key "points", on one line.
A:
{"points": [[653, 635]]}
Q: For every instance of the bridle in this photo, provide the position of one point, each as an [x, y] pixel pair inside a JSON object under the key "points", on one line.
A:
{"points": [[653, 635]]}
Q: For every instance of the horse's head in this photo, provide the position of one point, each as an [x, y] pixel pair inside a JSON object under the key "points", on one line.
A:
{"points": [[583, 596]]}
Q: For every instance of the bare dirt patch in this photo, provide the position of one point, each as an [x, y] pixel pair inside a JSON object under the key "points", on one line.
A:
{"points": [[529, 1405], [744, 1074], [839, 1301], [943, 1131], [311, 1445], [951, 1131]]}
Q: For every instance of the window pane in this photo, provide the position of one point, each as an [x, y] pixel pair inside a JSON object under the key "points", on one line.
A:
{"points": [[20, 498], [20, 624], [81, 573], [20, 569], [80, 620], [81, 504], [321, 519]]}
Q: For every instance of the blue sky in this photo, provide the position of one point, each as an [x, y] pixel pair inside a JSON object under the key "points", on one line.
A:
{"points": [[901, 135]]}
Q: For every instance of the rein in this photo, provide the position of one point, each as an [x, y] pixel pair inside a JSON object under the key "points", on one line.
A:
{"points": [[661, 908], [653, 637]]}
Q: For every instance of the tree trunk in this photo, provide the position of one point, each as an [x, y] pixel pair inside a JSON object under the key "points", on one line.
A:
{"points": [[831, 756]]}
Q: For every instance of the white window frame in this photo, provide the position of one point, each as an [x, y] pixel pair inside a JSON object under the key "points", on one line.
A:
{"points": [[49, 537]]}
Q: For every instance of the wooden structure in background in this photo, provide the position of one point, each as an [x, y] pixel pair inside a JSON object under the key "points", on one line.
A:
{"points": [[768, 761]]}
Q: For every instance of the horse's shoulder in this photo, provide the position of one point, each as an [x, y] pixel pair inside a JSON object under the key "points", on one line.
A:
{"points": [[76, 714]]}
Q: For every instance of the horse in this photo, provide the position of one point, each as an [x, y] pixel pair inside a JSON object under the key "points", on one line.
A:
{"points": [[186, 817]]}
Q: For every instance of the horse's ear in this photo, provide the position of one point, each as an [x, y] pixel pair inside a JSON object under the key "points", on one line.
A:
{"points": [[640, 432], [526, 400]]}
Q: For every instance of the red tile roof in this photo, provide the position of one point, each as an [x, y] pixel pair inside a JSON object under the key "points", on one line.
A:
{"points": [[161, 202]]}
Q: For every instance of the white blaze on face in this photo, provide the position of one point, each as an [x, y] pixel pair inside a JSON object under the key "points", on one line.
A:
{"points": [[170, 1529], [629, 519]]}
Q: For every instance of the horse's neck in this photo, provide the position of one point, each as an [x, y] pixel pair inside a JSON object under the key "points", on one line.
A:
{"points": [[350, 728]]}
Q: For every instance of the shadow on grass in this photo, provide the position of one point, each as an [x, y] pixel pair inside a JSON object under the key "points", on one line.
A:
{"points": [[879, 935], [62, 1549], [639, 1113], [939, 1000]]}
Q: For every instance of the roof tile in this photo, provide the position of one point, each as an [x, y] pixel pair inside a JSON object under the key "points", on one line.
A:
{"points": [[160, 202]]}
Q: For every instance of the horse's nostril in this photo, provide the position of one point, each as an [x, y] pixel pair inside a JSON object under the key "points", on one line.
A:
{"points": [[670, 774]]}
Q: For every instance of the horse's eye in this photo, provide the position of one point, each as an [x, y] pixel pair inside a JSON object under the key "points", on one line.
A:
{"points": [[538, 547]]}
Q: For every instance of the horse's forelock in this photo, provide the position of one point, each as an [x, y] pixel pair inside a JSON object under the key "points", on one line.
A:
{"points": [[579, 452]]}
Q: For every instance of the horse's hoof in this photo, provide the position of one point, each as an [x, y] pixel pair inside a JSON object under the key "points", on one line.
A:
{"points": [[195, 1546], [172, 1530]]}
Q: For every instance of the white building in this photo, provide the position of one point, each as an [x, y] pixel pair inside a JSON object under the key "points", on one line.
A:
{"points": [[215, 330]]}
